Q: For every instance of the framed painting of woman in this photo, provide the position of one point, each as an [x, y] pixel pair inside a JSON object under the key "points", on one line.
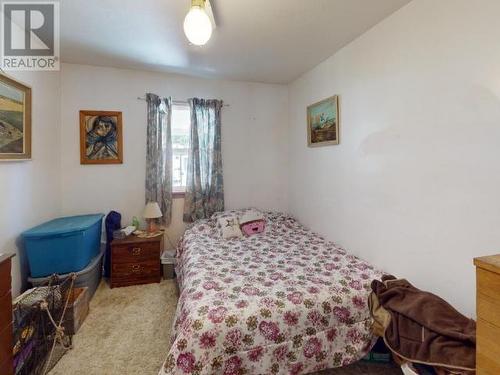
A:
{"points": [[101, 137]]}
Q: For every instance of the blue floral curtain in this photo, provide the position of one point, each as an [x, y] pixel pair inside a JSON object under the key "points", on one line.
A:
{"points": [[159, 155], [205, 188]]}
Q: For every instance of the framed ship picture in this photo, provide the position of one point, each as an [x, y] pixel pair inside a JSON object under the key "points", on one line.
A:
{"points": [[323, 123], [101, 137], [15, 120]]}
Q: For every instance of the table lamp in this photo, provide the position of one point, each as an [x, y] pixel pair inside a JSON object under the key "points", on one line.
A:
{"points": [[151, 213]]}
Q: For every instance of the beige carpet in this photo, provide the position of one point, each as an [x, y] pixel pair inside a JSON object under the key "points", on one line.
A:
{"points": [[127, 333]]}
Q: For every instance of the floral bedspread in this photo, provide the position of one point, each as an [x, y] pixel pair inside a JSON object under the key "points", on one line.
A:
{"points": [[282, 302]]}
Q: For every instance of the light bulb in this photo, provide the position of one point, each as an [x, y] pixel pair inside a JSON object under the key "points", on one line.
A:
{"points": [[197, 26]]}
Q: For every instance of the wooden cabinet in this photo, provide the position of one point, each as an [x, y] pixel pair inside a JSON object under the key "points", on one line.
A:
{"points": [[135, 261], [488, 315], [5, 316]]}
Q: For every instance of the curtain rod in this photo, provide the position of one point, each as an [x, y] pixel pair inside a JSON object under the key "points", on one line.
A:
{"points": [[177, 101]]}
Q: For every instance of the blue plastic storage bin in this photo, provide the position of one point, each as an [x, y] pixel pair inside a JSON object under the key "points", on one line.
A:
{"points": [[63, 245]]}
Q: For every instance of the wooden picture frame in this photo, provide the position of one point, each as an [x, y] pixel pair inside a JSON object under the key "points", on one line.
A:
{"points": [[101, 137], [15, 120], [323, 122]]}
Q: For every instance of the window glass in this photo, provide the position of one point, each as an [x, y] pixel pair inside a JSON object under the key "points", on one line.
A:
{"points": [[181, 121]]}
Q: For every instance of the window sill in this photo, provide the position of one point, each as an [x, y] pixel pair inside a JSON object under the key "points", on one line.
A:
{"points": [[178, 194]]}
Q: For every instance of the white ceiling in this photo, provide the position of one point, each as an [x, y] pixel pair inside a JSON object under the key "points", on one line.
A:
{"points": [[255, 40]]}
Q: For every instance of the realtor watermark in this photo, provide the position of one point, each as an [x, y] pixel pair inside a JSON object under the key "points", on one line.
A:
{"points": [[30, 35]]}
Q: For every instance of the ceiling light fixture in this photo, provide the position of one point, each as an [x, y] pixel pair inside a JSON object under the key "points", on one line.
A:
{"points": [[197, 24]]}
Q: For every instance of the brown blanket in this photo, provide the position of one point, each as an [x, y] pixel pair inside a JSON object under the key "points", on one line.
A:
{"points": [[421, 327]]}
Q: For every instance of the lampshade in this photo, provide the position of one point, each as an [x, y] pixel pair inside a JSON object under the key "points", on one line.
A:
{"points": [[152, 211], [197, 25]]}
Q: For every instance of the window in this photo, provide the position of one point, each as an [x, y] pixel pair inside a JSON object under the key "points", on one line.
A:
{"points": [[181, 120]]}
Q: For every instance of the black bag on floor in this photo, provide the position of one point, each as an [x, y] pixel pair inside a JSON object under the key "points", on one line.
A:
{"points": [[112, 223]]}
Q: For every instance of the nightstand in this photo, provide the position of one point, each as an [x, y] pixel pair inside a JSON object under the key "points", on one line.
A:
{"points": [[135, 261]]}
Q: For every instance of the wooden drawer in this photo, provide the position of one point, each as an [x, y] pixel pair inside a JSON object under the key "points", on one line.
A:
{"points": [[488, 309], [138, 269], [135, 253], [6, 368], [488, 297], [487, 349], [5, 277], [5, 310], [135, 273], [6, 344], [488, 283]]}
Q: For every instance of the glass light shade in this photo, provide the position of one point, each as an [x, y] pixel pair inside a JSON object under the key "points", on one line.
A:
{"points": [[197, 26]]}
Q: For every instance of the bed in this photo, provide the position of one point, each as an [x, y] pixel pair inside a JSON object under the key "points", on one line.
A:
{"points": [[281, 302]]}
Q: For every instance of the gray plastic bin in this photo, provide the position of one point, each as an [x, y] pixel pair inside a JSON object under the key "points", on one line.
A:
{"points": [[89, 277], [168, 264]]}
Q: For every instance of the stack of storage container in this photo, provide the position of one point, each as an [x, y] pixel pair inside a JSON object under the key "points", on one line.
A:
{"points": [[66, 245]]}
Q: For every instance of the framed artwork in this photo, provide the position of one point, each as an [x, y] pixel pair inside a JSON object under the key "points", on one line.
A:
{"points": [[15, 120], [101, 137], [323, 122]]}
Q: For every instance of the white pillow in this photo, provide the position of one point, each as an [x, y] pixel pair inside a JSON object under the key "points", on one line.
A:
{"points": [[229, 227], [251, 215]]}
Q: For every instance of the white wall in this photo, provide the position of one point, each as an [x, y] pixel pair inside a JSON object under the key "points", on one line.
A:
{"points": [[254, 140], [30, 189], [414, 184]]}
